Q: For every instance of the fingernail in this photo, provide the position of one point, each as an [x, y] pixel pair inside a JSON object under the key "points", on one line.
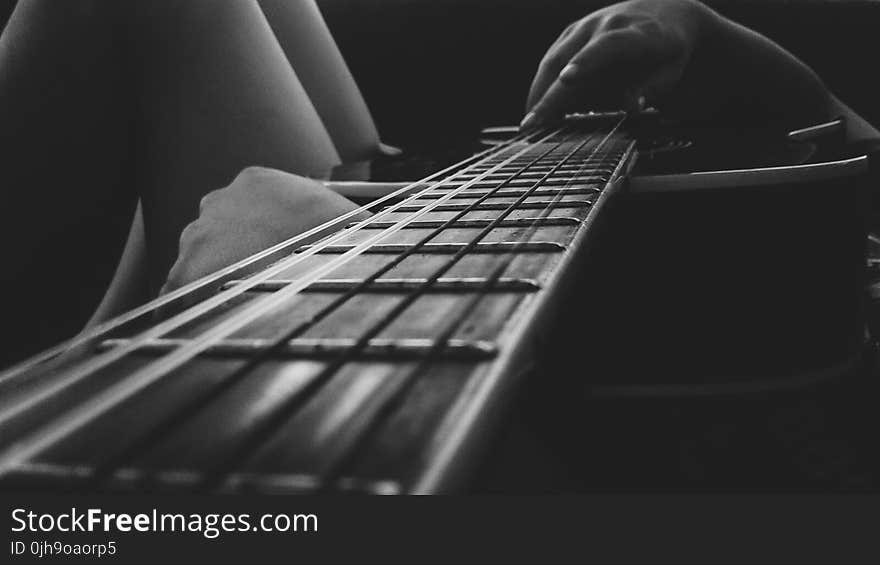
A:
{"points": [[569, 72], [389, 150], [634, 101], [531, 121]]}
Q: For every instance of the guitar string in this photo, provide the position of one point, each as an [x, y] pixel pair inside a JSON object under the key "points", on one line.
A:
{"points": [[188, 408], [11, 407], [274, 252], [78, 416], [328, 479], [482, 199], [210, 478], [464, 412]]}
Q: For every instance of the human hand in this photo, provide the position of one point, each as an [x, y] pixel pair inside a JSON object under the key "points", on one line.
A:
{"points": [[262, 207], [684, 58]]}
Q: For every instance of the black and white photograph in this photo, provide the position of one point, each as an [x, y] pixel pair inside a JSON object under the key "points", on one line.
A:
{"points": [[511, 251]]}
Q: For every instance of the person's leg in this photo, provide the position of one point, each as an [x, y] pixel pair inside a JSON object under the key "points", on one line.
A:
{"points": [[64, 150], [311, 50], [217, 94], [104, 100]]}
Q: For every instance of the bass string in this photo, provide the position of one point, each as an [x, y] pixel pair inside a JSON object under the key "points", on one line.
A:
{"points": [[212, 477], [563, 188], [464, 412], [276, 251], [78, 416], [10, 408], [335, 472], [199, 402]]}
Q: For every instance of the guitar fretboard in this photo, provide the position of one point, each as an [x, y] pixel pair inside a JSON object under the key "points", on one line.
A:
{"points": [[368, 361]]}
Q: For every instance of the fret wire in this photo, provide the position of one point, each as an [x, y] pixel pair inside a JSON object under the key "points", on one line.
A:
{"points": [[315, 319], [479, 223], [179, 294], [520, 183], [316, 382], [596, 174], [574, 189], [331, 476], [537, 170], [167, 299], [335, 473], [215, 477], [540, 164], [544, 163], [67, 422]]}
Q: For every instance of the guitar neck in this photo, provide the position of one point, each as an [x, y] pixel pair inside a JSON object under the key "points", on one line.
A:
{"points": [[373, 360]]}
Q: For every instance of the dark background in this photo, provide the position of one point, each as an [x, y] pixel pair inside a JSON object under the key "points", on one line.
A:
{"points": [[432, 68], [436, 68]]}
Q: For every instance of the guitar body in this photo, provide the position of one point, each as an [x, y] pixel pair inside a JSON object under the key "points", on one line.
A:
{"points": [[381, 358], [732, 260], [741, 264], [748, 283]]}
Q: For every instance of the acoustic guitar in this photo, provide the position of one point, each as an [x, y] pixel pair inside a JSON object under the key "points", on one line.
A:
{"points": [[378, 356]]}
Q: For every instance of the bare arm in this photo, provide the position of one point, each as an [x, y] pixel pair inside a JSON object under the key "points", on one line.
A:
{"points": [[308, 45], [686, 59]]}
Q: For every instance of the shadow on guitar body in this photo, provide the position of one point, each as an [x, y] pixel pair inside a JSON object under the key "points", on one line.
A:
{"points": [[703, 350]]}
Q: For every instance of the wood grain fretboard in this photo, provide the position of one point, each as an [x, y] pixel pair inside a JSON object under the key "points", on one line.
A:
{"points": [[376, 384]]}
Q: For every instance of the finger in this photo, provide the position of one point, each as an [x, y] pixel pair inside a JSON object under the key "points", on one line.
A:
{"points": [[572, 39], [386, 150], [207, 200], [608, 66], [565, 33]]}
